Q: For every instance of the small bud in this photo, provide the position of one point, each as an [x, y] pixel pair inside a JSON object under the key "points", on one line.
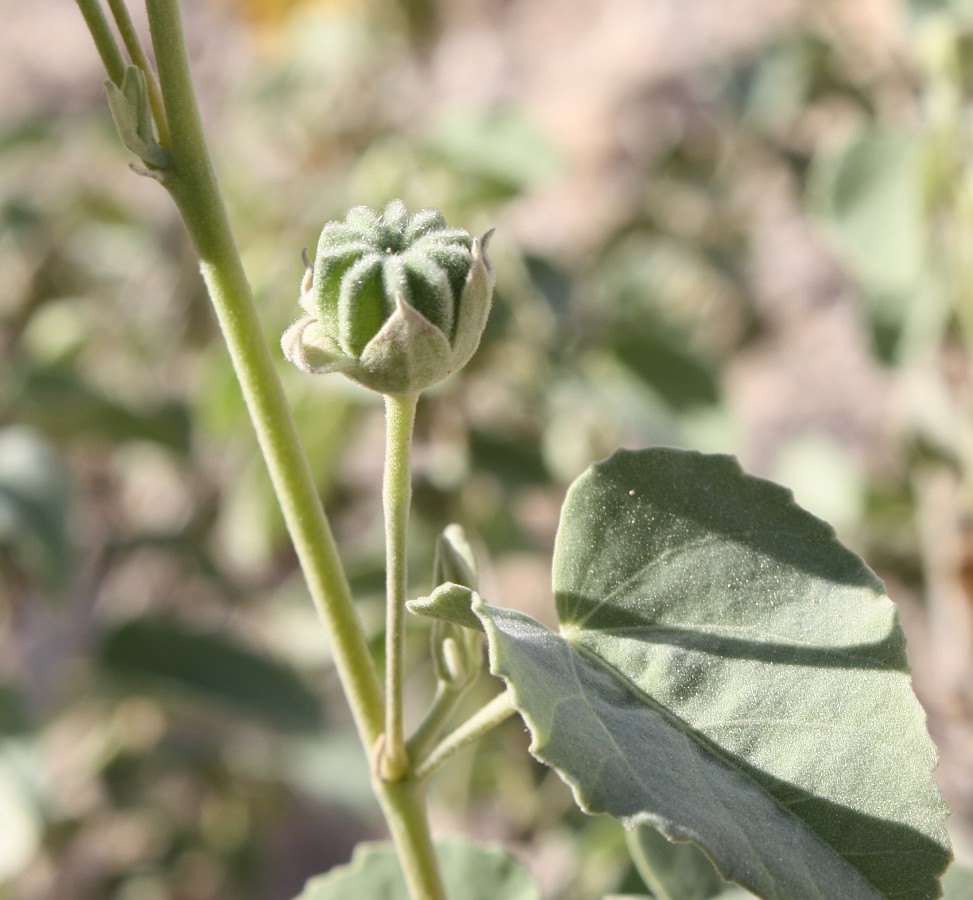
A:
{"points": [[132, 112], [454, 560], [395, 303]]}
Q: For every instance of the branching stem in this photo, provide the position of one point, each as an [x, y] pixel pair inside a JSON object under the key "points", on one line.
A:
{"points": [[192, 182], [486, 719], [104, 38], [443, 705], [126, 28]]}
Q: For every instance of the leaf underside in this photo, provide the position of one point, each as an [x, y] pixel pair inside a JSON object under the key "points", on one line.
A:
{"points": [[728, 673]]}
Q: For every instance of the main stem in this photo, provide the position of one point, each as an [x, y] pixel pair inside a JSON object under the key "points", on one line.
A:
{"points": [[400, 413], [191, 180], [404, 805]]}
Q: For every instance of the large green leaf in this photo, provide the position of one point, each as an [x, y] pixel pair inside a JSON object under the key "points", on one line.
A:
{"points": [[58, 401], [727, 672], [470, 872], [165, 657]]}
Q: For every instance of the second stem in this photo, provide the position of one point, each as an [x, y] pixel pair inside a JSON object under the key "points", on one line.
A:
{"points": [[400, 413]]}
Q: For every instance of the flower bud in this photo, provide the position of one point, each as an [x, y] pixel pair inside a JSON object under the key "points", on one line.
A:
{"points": [[393, 302]]}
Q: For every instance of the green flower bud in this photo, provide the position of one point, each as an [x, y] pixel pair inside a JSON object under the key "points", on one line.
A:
{"points": [[393, 302]]}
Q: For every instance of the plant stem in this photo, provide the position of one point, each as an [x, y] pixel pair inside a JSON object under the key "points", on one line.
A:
{"points": [[485, 719], [443, 705], [105, 43], [191, 180], [404, 805], [133, 45], [192, 183], [400, 414]]}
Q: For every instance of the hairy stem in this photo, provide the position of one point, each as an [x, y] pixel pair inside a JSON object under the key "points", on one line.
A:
{"points": [[133, 45], [400, 413], [190, 179], [404, 805], [192, 183], [104, 38], [443, 705]]}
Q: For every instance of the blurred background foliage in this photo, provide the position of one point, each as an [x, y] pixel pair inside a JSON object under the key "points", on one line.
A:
{"points": [[740, 227]]}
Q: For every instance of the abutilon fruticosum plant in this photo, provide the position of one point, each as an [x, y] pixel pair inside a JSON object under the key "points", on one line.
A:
{"points": [[726, 679]]}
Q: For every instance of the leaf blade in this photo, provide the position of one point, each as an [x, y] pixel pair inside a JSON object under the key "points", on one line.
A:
{"points": [[704, 610], [610, 775], [470, 872], [161, 655]]}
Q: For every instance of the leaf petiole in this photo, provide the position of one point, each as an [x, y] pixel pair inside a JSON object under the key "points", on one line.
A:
{"points": [[488, 717]]}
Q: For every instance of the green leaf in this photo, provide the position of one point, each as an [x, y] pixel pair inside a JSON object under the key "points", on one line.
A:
{"points": [[14, 719], [34, 502], [661, 357], [454, 560], [57, 401], [499, 146], [727, 672], [132, 113], [448, 603], [870, 195], [455, 643], [674, 871], [164, 656], [958, 883], [470, 872]]}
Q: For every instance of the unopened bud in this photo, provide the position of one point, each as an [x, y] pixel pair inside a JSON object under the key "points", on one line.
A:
{"points": [[395, 303]]}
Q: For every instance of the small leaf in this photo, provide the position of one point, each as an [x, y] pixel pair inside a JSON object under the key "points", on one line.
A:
{"points": [[470, 872], [727, 672], [454, 560], [448, 603], [674, 871], [455, 639], [162, 655], [132, 113], [34, 502], [455, 643]]}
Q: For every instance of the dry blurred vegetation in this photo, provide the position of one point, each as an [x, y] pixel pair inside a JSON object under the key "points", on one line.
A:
{"points": [[738, 226]]}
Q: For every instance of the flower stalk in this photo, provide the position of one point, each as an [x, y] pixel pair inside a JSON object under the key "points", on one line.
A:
{"points": [[400, 411]]}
